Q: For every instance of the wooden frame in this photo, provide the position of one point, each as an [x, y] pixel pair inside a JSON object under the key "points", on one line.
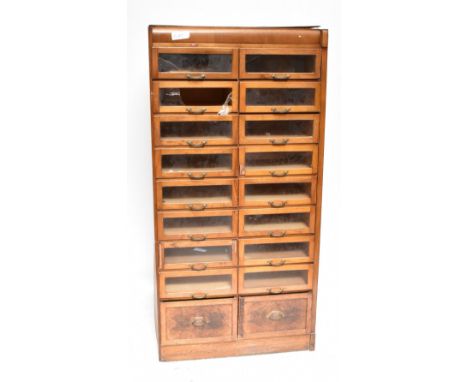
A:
{"points": [[280, 75], [187, 75], [275, 172], [274, 261], [197, 205], [278, 140], [277, 202], [282, 109], [194, 109]]}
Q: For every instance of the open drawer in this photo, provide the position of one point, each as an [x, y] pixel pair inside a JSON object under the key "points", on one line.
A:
{"points": [[197, 256], [275, 222], [277, 251], [280, 64], [277, 193], [196, 164], [197, 226], [275, 280], [278, 162], [278, 130], [196, 195], [279, 97], [192, 63], [192, 97], [194, 130], [197, 285]]}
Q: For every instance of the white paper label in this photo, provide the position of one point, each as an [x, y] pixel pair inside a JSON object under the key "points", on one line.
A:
{"points": [[180, 35]]}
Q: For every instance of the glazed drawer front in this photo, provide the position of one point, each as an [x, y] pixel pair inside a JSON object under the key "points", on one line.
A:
{"points": [[189, 63], [187, 322], [278, 130], [279, 97], [271, 316], [276, 222], [280, 64], [277, 193], [194, 97], [278, 161], [196, 164], [197, 285], [275, 280], [196, 195], [197, 256], [197, 226], [195, 131], [276, 251]]}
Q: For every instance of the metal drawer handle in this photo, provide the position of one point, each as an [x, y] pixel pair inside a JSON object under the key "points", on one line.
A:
{"points": [[277, 203], [191, 110], [198, 267], [197, 207], [199, 321], [275, 290], [279, 142], [276, 264], [277, 233], [191, 76], [279, 77], [279, 173], [275, 315], [196, 176], [280, 111], [199, 296], [197, 237], [196, 144]]}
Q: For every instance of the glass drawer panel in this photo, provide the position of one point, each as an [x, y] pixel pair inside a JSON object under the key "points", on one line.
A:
{"points": [[280, 96]]}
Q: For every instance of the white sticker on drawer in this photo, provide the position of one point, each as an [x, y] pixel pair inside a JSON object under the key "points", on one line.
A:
{"points": [[180, 35]]}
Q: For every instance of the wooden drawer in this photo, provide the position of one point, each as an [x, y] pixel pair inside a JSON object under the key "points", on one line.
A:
{"points": [[193, 97], [187, 322], [271, 316], [277, 193], [276, 252], [275, 280], [191, 63], [197, 256], [278, 130], [196, 195], [279, 97], [197, 226], [196, 164], [195, 130], [280, 63], [278, 162], [275, 222], [197, 284]]}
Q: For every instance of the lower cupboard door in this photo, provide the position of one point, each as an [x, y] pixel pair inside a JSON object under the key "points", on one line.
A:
{"points": [[272, 316], [187, 322]]}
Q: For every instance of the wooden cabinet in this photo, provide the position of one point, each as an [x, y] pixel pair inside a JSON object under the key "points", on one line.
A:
{"points": [[238, 119]]}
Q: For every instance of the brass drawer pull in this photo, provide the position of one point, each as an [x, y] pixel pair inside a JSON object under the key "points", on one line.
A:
{"points": [[196, 176], [276, 264], [198, 267], [275, 290], [275, 315], [197, 207], [199, 321], [277, 203], [279, 173], [191, 110], [279, 142], [196, 144], [280, 111], [199, 296], [198, 77], [277, 233], [280, 77], [197, 237]]}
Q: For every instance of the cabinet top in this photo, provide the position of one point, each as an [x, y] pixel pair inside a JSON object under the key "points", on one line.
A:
{"points": [[239, 36]]}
